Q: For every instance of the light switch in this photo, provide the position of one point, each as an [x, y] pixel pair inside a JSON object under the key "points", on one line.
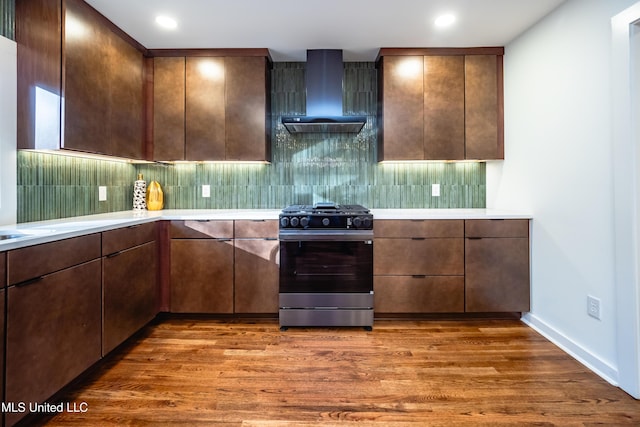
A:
{"points": [[435, 190], [206, 190], [102, 193]]}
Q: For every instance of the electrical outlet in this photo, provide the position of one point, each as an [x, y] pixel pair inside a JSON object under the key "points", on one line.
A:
{"points": [[102, 193], [435, 190], [206, 190], [593, 307]]}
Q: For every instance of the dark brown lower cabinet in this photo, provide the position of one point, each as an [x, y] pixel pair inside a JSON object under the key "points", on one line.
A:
{"points": [[419, 294], [497, 274], [256, 275], [2, 342], [202, 276], [130, 293], [428, 267], [3, 269], [3, 282], [53, 332]]}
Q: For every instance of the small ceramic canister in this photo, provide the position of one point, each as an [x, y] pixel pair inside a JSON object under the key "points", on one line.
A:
{"points": [[139, 193]]}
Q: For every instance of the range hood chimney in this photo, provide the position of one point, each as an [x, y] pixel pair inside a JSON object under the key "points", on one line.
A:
{"points": [[324, 97]]}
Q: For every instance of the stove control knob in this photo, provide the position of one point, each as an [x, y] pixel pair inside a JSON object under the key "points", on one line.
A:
{"points": [[294, 221], [304, 221], [284, 222], [367, 222], [326, 221], [357, 221]]}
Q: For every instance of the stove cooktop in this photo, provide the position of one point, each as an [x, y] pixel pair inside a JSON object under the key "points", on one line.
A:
{"points": [[326, 216], [326, 208]]}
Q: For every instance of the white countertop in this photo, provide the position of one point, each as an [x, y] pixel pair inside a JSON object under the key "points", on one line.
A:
{"points": [[448, 214], [52, 230]]}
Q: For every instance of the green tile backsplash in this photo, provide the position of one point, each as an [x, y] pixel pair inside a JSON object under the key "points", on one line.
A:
{"points": [[305, 168], [51, 186], [7, 18]]}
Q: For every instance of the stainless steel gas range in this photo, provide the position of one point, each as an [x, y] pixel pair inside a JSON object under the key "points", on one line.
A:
{"points": [[326, 266]]}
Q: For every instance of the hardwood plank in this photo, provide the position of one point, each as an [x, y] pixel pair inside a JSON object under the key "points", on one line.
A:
{"points": [[405, 372]]}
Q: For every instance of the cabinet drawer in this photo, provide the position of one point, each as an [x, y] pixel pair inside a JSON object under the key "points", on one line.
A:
{"points": [[3, 269], [408, 294], [406, 257], [496, 228], [201, 229], [127, 237], [418, 228], [34, 261], [256, 229]]}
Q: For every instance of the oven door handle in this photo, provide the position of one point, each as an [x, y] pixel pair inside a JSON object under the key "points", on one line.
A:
{"points": [[325, 235]]}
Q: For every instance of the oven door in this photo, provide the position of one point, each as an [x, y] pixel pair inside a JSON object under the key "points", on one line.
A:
{"points": [[320, 266]]}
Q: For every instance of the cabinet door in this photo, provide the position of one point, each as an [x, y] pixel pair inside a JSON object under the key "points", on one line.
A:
{"points": [[246, 108], [38, 32], [205, 108], [202, 276], [431, 257], [497, 274], [53, 332], [483, 107], [168, 108], [402, 104], [86, 84], [256, 275], [419, 294], [126, 72], [444, 107], [130, 294]]}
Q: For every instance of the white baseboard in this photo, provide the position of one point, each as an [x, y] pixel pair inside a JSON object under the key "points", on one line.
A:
{"points": [[591, 361]]}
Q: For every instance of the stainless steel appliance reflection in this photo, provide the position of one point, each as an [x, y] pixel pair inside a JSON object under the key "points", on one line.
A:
{"points": [[326, 266]]}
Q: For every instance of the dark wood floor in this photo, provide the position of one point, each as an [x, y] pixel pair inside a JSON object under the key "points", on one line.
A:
{"points": [[438, 373]]}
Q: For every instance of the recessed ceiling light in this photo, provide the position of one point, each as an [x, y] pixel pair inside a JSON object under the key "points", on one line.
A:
{"points": [[166, 22], [445, 20]]}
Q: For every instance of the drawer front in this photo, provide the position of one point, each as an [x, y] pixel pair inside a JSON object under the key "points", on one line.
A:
{"points": [[127, 237], [392, 228], [496, 228], [201, 229], [35, 261], [256, 229], [430, 257], [408, 294]]}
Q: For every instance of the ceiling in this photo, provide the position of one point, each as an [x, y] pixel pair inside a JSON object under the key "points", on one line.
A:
{"points": [[290, 27]]}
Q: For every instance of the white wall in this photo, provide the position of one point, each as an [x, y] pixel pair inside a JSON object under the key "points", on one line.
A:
{"points": [[8, 83], [558, 165]]}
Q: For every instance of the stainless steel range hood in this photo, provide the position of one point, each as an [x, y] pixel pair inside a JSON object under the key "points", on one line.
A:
{"points": [[324, 97]]}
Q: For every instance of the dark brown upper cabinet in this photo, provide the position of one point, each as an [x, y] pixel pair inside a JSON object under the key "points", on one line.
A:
{"points": [[81, 81], [440, 104], [211, 105]]}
